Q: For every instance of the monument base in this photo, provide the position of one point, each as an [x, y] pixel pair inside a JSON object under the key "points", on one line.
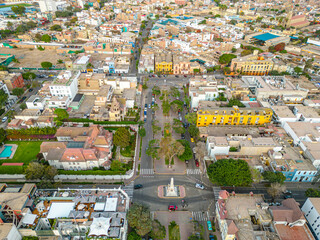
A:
{"points": [[162, 192]]}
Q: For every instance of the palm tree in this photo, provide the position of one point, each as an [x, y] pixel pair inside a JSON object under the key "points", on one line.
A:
{"points": [[275, 190]]}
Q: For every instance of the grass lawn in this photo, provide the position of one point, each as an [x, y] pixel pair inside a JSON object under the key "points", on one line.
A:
{"points": [[26, 151], [21, 4]]}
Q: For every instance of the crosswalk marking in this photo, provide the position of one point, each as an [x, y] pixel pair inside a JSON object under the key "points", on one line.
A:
{"points": [[146, 171], [193, 171], [129, 189], [200, 216]]}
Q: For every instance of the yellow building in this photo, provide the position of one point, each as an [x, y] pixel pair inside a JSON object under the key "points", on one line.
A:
{"points": [[233, 116], [251, 65], [163, 63]]}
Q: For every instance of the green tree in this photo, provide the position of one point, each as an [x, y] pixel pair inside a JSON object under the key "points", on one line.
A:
{"points": [[275, 190], [133, 236], [187, 154], [46, 65], [170, 148], [226, 58], [166, 106], [18, 9], [116, 165], [194, 131], [153, 149], [142, 132], [46, 38], [3, 98], [246, 52], [178, 126], [29, 76], [158, 231], [311, 192], [235, 102], [56, 27], [256, 175], [274, 177], [156, 90], [40, 171], [230, 172], [139, 219], [3, 136], [23, 106], [155, 127], [17, 91], [121, 137], [62, 114], [174, 231], [233, 50], [191, 118]]}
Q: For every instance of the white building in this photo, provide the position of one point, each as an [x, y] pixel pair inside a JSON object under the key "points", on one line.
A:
{"points": [[47, 6], [307, 136], [36, 102], [9, 231], [59, 102], [311, 210], [65, 85], [202, 89], [217, 146]]}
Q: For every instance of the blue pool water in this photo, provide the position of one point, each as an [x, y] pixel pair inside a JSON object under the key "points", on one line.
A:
{"points": [[6, 152]]}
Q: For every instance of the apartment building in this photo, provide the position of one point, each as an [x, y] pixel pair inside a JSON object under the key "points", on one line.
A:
{"points": [[181, 65], [12, 80], [233, 116], [65, 85], [311, 210], [252, 65], [203, 89], [163, 63], [276, 87]]}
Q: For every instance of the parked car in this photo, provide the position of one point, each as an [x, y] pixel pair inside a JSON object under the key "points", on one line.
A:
{"points": [[197, 163], [182, 136], [211, 237], [185, 75], [172, 208], [176, 76], [209, 225], [4, 119], [31, 89], [200, 186], [146, 105], [138, 186], [192, 140]]}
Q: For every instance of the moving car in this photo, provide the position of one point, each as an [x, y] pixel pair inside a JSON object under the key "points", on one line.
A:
{"points": [[31, 89], [138, 186], [197, 163], [287, 194], [200, 186], [4, 119], [192, 140], [172, 208]]}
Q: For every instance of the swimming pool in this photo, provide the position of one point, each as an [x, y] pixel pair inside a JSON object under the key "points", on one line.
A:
{"points": [[6, 152]]}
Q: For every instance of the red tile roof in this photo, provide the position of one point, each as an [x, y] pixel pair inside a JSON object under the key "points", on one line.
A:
{"points": [[293, 233]]}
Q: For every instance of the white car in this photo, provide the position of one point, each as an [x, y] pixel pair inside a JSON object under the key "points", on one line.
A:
{"points": [[4, 119], [200, 186], [165, 80]]}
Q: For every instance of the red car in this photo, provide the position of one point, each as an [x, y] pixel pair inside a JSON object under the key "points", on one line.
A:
{"points": [[172, 208], [197, 163]]}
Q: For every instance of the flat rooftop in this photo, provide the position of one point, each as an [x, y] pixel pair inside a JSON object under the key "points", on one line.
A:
{"points": [[283, 112]]}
